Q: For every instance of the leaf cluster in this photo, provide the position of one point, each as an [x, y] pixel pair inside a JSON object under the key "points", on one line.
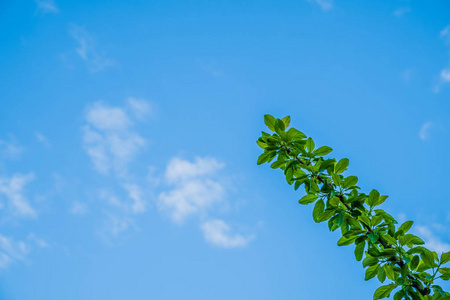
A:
{"points": [[387, 250]]}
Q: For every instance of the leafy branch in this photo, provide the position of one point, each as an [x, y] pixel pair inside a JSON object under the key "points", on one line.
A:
{"points": [[388, 251]]}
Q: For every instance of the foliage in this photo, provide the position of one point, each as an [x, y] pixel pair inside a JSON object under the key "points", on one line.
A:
{"points": [[389, 252]]}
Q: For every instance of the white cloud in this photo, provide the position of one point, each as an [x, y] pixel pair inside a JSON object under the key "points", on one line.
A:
{"points": [[401, 11], [445, 75], [431, 240], [218, 233], [109, 139], [324, 4], [112, 143], [197, 190], [191, 197], [135, 194], [179, 169], [424, 132], [47, 6], [41, 138], [445, 33], [12, 189], [10, 149], [78, 208], [194, 189], [87, 50], [140, 108], [11, 250]]}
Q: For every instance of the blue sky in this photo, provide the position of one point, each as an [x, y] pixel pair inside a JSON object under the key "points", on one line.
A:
{"points": [[127, 142]]}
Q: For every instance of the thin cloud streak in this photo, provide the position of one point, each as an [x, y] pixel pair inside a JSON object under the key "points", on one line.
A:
{"points": [[87, 50], [47, 6]]}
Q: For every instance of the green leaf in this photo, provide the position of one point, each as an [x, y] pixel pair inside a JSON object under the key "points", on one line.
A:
{"points": [[373, 237], [373, 198], [384, 291], [410, 239], [336, 179], [264, 157], [405, 227], [381, 199], [415, 262], [381, 275], [324, 150], [270, 122], [428, 258], [369, 261], [318, 210], [389, 272], [359, 250], [286, 120], [295, 134], [341, 166], [350, 181], [290, 175], [389, 239], [310, 198], [399, 295], [279, 126], [445, 258], [344, 241], [310, 144], [278, 163], [371, 272]]}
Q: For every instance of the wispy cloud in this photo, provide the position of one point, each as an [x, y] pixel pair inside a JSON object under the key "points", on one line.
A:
{"points": [[445, 33], [112, 143], [400, 12], [10, 149], [87, 50], [424, 132], [79, 208], [12, 250], [324, 4], [47, 6], [12, 189], [444, 75], [109, 138], [140, 108], [431, 240], [196, 190], [42, 139], [218, 233]]}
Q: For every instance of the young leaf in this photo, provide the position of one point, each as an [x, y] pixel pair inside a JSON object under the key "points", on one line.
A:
{"points": [[381, 275], [384, 291], [341, 166], [405, 227], [310, 144], [263, 158], [308, 199], [445, 257], [350, 181], [359, 250], [286, 120], [410, 239], [318, 210], [389, 272], [373, 198], [371, 272], [270, 122], [324, 150], [369, 261]]}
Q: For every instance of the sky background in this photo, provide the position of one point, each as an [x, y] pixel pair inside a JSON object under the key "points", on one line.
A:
{"points": [[127, 142]]}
